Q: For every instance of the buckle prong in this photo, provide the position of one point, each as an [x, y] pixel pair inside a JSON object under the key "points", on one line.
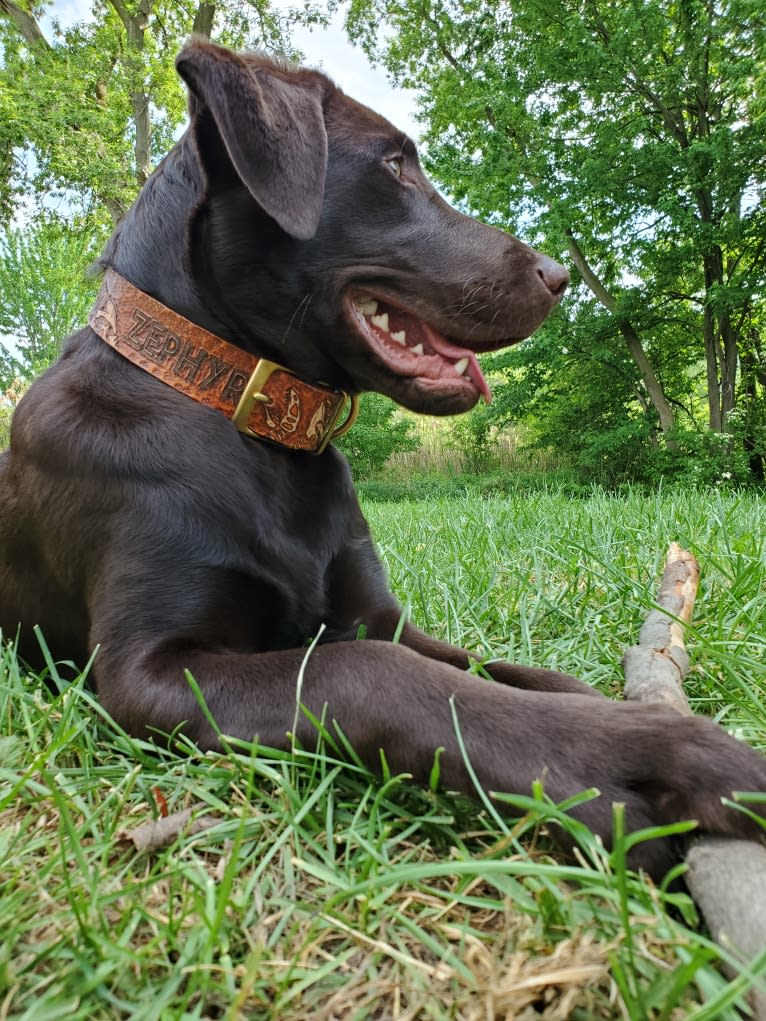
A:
{"points": [[253, 394]]}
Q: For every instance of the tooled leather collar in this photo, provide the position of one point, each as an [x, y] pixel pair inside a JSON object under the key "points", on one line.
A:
{"points": [[263, 399]]}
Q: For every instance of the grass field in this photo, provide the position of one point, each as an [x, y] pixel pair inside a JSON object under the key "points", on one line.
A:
{"points": [[319, 893]]}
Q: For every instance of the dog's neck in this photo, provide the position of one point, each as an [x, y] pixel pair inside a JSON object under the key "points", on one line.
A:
{"points": [[167, 245], [263, 399], [173, 190], [197, 241]]}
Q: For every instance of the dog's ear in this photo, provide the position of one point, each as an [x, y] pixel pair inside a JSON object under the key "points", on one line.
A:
{"points": [[273, 131]]}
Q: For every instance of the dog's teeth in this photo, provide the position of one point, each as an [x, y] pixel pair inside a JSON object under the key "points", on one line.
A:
{"points": [[367, 308], [461, 366], [417, 349], [381, 322], [400, 337]]}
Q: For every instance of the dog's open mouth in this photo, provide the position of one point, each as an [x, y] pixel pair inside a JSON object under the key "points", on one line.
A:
{"points": [[410, 347]]}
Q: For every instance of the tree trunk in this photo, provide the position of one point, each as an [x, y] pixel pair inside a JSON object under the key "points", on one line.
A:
{"points": [[729, 371], [632, 340], [711, 368], [720, 337], [721, 348], [135, 28], [203, 19], [115, 208], [645, 404], [652, 384], [25, 23], [753, 375]]}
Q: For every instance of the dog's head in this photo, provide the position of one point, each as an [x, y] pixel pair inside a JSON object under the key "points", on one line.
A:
{"points": [[319, 242]]}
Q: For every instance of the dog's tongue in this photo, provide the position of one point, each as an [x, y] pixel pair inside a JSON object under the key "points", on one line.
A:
{"points": [[453, 353]]}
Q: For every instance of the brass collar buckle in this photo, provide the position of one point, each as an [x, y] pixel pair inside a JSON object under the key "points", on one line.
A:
{"points": [[253, 394]]}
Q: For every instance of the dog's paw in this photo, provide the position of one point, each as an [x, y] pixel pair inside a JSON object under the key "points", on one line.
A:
{"points": [[666, 768], [708, 766]]}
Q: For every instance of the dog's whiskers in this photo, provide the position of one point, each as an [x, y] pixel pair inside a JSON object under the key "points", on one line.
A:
{"points": [[300, 310]]}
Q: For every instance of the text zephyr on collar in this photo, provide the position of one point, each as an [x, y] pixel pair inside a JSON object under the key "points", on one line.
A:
{"points": [[263, 399]]}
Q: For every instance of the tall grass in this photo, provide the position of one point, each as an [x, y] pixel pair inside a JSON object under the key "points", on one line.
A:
{"points": [[443, 448], [320, 892]]}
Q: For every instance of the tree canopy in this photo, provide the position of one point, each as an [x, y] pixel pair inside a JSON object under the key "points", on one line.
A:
{"points": [[44, 291], [91, 108], [629, 136]]}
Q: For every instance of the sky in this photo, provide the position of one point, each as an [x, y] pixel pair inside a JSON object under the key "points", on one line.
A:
{"points": [[348, 66]]}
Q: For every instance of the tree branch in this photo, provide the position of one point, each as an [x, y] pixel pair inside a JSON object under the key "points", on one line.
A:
{"points": [[674, 125], [121, 11], [25, 23], [631, 336]]}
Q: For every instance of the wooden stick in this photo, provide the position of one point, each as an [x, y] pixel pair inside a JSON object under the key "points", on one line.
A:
{"points": [[655, 668], [726, 877]]}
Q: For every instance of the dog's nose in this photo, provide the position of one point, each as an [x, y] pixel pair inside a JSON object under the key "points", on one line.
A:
{"points": [[553, 275]]}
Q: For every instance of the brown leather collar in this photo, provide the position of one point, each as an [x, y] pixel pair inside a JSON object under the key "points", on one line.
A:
{"points": [[263, 399]]}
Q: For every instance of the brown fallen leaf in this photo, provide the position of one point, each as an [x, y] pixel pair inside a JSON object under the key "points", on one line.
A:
{"points": [[158, 833], [160, 801]]}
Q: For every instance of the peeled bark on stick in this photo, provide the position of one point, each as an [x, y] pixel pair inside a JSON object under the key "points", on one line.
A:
{"points": [[726, 877], [655, 668]]}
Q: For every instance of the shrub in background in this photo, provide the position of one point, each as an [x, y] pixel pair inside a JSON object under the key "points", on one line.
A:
{"points": [[379, 431], [474, 438]]}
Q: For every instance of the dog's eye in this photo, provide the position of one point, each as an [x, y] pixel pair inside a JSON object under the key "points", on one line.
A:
{"points": [[395, 166]]}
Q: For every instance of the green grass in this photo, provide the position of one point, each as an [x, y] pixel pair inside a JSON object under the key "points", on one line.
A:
{"points": [[320, 893]]}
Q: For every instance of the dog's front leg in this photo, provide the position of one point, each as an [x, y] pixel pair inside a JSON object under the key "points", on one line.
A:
{"points": [[513, 674], [382, 696], [388, 699]]}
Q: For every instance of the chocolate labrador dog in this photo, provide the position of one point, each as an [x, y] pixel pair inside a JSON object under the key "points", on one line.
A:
{"points": [[170, 495]]}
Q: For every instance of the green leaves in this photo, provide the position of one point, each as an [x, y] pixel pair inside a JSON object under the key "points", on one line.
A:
{"points": [[378, 432], [628, 134], [44, 292], [100, 103]]}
